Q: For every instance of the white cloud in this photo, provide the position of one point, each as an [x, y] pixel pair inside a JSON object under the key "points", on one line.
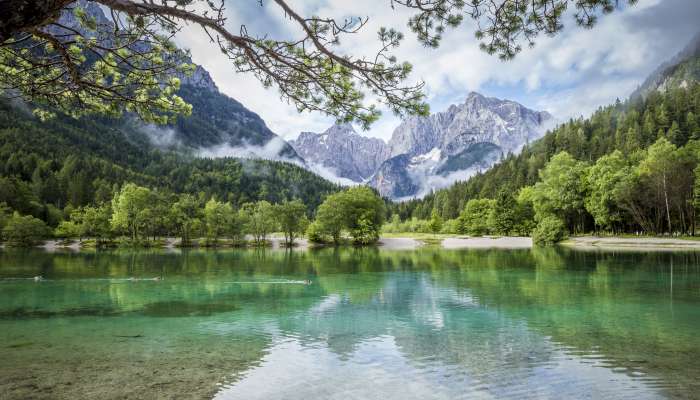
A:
{"points": [[568, 75]]}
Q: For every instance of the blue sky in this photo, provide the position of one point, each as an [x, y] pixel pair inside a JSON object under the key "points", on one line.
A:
{"points": [[568, 75]]}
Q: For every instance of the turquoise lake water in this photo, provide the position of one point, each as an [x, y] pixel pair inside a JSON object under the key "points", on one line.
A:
{"points": [[350, 324]]}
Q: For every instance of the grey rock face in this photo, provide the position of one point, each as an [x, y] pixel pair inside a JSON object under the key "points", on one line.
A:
{"points": [[454, 144], [341, 149], [392, 178], [479, 119]]}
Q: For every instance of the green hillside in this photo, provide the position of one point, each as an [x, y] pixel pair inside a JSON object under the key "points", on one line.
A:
{"points": [[47, 166], [665, 120]]}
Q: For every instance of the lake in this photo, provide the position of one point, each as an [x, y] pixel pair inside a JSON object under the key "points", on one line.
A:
{"points": [[350, 324]]}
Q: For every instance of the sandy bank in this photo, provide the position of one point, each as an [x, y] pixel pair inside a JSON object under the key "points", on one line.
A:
{"points": [[399, 243], [486, 242], [631, 243]]}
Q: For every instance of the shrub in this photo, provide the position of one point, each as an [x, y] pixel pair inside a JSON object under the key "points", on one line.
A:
{"points": [[24, 230], [365, 232], [549, 230], [315, 233], [451, 226]]}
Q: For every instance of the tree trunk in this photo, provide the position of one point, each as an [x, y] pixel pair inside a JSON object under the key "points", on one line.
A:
{"points": [[24, 15]]}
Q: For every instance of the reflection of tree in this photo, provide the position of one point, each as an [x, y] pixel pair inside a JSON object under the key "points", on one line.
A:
{"points": [[474, 310], [611, 304]]}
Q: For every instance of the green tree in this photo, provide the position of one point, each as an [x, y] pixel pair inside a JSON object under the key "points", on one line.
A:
{"points": [[260, 218], [330, 219], [549, 230], [561, 190], [656, 170], [435, 224], [155, 214], [675, 135], [185, 215], [359, 210], [24, 230], [96, 222], [504, 214], [603, 180], [693, 126], [218, 217], [291, 216], [68, 230], [475, 217], [129, 210]]}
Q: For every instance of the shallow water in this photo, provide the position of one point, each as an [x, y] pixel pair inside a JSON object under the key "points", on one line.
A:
{"points": [[350, 323]]}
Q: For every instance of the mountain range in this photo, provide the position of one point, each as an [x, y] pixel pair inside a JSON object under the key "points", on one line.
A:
{"points": [[425, 153]]}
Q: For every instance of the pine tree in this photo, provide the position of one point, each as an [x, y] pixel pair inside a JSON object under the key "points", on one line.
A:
{"points": [[504, 213], [693, 126], [675, 135]]}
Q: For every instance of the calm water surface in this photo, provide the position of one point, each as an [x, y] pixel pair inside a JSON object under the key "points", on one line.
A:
{"points": [[372, 324]]}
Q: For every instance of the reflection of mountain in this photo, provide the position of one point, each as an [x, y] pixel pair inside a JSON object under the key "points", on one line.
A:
{"points": [[425, 324]]}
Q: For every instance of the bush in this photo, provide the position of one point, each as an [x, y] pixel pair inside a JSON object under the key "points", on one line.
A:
{"points": [[315, 233], [365, 232], [549, 230], [451, 226], [24, 230]]}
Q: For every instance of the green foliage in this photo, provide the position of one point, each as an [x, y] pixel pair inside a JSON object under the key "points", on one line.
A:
{"points": [[603, 179], [260, 220], [549, 230], [504, 214], [291, 216], [46, 167], [316, 233], [561, 189], [130, 210], [79, 74], [24, 230], [185, 215], [218, 218], [359, 210], [435, 223], [628, 127], [451, 226], [474, 219]]}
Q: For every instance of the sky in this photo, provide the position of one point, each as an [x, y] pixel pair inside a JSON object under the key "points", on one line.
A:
{"points": [[568, 75]]}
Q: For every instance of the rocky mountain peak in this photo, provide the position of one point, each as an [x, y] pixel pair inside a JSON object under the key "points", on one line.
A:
{"points": [[343, 151]]}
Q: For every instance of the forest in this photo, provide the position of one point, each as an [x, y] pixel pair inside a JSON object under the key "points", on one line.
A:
{"points": [[49, 168], [141, 217], [632, 167]]}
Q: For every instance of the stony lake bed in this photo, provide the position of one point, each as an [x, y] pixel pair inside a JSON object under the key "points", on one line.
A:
{"points": [[349, 323]]}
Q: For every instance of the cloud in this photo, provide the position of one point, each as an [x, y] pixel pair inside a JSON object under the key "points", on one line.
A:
{"points": [[330, 174], [159, 136], [569, 74], [269, 151]]}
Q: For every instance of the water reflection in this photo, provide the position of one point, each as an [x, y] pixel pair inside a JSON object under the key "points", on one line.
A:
{"points": [[372, 324]]}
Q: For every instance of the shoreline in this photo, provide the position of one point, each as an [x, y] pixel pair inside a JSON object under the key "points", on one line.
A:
{"points": [[648, 243], [448, 242]]}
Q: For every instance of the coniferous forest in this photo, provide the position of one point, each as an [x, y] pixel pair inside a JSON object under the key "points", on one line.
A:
{"points": [[629, 168]]}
